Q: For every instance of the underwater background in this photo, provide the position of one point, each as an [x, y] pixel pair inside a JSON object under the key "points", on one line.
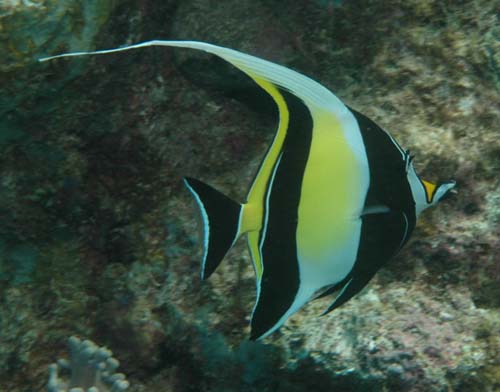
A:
{"points": [[99, 239]]}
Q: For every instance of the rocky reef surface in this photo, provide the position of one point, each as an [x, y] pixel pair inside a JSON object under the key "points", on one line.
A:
{"points": [[98, 237]]}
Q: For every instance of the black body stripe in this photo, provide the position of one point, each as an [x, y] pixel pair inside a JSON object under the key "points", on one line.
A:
{"points": [[389, 184], [280, 279]]}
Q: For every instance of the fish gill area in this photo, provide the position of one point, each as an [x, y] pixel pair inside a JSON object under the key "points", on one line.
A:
{"points": [[98, 236]]}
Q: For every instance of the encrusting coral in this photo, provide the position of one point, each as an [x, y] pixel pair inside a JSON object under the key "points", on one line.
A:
{"points": [[91, 368]]}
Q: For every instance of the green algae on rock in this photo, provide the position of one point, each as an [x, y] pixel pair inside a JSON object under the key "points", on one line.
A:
{"points": [[31, 28]]}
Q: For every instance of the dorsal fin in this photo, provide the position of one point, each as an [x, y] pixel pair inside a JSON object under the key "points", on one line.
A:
{"points": [[300, 85]]}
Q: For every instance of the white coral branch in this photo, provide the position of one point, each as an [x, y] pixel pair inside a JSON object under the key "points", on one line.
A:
{"points": [[91, 368]]}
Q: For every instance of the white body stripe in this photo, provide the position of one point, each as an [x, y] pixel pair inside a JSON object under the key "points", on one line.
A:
{"points": [[417, 190], [352, 134], [266, 215]]}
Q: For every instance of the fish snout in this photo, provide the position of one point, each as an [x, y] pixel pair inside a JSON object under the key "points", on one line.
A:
{"points": [[444, 190]]}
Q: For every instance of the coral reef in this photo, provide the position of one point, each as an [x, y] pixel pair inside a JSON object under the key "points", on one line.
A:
{"points": [[91, 368], [98, 237]]}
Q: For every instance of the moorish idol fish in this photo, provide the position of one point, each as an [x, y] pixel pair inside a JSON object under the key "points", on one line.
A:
{"points": [[335, 196]]}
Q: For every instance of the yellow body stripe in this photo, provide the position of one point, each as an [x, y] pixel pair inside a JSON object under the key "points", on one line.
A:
{"points": [[253, 245], [253, 210], [331, 187]]}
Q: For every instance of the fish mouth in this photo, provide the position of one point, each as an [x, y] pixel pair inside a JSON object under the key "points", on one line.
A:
{"points": [[445, 190]]}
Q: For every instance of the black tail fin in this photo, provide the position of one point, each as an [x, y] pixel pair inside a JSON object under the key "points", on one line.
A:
{"points": [[221, 217]]}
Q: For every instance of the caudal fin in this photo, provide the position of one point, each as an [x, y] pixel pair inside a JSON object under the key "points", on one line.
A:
{"points": [[221, 217]]}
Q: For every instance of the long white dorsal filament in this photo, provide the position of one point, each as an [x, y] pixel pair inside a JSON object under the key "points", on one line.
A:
{"points": [[106, 51]]}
